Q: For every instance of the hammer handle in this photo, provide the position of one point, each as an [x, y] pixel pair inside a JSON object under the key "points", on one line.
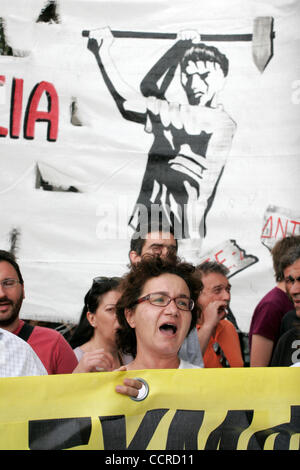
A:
{"points": [[149, 35]]}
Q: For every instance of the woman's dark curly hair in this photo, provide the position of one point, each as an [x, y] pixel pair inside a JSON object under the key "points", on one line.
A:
{"points": [[132, 285]]}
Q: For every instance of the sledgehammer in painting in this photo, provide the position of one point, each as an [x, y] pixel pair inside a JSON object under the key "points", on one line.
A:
{"points": [[261, 38]]}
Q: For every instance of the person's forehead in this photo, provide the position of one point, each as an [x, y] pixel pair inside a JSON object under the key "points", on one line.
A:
{"points": [[159, 238], [293, 269], [111, 297], [200, 67], [7, 271], [212, 280], [169, 283]]}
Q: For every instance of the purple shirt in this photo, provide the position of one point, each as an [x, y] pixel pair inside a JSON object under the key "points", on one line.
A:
{"points": [[268, 314]]}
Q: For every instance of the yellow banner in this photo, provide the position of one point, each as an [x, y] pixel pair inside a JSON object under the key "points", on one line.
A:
{"points": [[208, 409]]}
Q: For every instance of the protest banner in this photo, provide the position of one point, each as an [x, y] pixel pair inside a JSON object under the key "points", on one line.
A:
{"points": [[196, 409]]}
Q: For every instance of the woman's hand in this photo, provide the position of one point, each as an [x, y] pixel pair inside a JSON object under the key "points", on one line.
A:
{"points": [[130, 387], [95, 361]]}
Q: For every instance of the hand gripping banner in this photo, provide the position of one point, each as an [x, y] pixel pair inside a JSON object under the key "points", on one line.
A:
{"points": [[207, 409]]}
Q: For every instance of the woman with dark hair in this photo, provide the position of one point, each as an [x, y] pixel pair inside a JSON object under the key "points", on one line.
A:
{"points": [[156, 311], [94, 340]]}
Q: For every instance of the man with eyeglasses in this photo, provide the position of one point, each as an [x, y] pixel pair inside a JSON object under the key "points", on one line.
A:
{"points": [[287, 351], [158, 240], [50, 346]]}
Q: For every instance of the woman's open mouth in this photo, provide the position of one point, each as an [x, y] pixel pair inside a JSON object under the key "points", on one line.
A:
{"points": [[168, 329]]}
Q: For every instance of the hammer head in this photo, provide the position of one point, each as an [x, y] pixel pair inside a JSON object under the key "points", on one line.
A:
{"points": [[262, 41]]}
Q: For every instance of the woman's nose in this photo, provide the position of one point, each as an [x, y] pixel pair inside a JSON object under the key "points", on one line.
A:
{"points": [[171, 308]]}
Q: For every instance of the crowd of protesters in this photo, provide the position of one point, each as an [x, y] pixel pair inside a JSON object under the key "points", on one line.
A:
{"points": [[163, 313]]}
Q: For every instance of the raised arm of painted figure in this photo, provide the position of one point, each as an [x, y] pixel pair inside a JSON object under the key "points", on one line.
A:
{"points": [[129, 102], [164, 67]]}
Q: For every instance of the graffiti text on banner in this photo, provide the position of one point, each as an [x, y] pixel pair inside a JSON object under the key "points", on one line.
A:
{"points": [[32, 113], [231, 255], [279, 223]]}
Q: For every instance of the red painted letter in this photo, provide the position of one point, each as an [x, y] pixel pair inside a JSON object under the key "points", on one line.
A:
{"points": [[217, 257], [16, 107], [3, 130], [283, 232], [265, 229], [50, 116], [295, 224]]}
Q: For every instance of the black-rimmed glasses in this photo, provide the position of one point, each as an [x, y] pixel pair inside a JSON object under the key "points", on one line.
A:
{"points": [[157, 249], [162, 300], [100, 279]]}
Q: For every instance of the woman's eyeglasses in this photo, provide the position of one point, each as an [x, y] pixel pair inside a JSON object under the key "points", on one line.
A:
{"points": [[162, 300]]}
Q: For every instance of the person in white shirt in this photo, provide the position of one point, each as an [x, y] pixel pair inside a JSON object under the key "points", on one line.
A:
{"points": [[17, 358]]}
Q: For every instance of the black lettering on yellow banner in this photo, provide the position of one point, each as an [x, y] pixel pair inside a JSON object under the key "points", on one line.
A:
{"points": [[58, 434], [285, 431], [182, 434]]}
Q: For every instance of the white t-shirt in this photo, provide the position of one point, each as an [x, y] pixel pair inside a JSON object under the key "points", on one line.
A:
{"points": [[187, 365], [17, 358]]}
